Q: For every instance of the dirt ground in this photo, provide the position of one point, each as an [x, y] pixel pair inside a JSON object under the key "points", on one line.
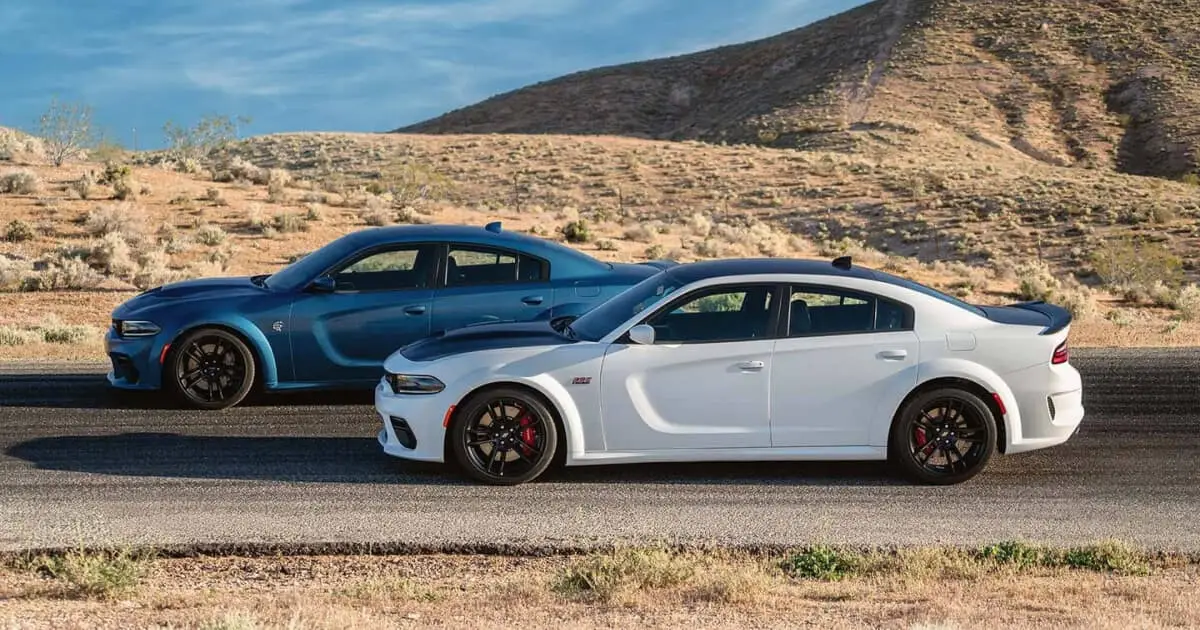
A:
{"points": [[457, 591]]}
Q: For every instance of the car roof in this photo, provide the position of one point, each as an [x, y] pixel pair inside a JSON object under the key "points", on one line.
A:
{"points": [[471, 234], [703, 270]]}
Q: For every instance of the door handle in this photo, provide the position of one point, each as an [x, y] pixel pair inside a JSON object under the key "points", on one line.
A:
{"points": [[892, 355], [414, 310], [751, 365], [532, 299]]}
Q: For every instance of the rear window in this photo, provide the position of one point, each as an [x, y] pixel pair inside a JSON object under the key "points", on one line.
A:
{"points": [[920, 288]]}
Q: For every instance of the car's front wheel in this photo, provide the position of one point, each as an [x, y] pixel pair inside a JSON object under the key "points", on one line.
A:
{"points": [[944, 436], [504, 436], [210, 369]]}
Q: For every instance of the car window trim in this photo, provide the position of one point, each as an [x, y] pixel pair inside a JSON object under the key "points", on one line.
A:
{"points": [[367, 252], [792, 288], [774, 312], [443, 281]]}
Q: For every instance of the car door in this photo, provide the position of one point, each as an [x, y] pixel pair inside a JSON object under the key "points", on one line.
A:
{"points": [[484, 284], [848, 358], [380, 300], [705, 381]]}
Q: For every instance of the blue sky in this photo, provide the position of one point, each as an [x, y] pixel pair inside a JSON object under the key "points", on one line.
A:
{"points": [[337, 65]]}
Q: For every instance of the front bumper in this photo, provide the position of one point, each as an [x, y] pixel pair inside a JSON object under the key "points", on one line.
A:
{"points": [[135, 361], [412, 423], [1050, 399]]}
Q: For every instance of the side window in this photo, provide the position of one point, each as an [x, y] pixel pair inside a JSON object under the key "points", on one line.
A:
{"points": [[831, 311], [466, 266], [390, 270], [713, 315]]}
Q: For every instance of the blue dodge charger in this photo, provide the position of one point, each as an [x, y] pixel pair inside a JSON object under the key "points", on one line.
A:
{"points": [[331, 318]]}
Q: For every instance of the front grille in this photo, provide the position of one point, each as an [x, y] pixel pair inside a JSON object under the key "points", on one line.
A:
{"points": [[1050, 404], [123, 368], [404, 433]]}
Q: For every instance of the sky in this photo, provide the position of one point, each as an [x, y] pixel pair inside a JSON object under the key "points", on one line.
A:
{"points": [[337, 65]]}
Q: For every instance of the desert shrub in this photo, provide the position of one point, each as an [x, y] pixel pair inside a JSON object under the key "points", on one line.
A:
{"points": [[125, 219], [210, 235], [18, 231], [66, 131], [288, 222], [113, 256], [62, 272], [1134, 267], [83, 187], [577, 231], [22, 182]]}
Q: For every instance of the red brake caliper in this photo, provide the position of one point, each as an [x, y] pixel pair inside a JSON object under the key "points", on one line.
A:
{"points": [[528, 434], [921, 437]]}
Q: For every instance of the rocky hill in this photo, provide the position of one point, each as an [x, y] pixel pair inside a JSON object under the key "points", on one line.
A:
{"points": [[1108, 84]]}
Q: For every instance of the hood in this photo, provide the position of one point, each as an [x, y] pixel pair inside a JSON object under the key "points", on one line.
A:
{"points": [[481, 337], [202, 288]]}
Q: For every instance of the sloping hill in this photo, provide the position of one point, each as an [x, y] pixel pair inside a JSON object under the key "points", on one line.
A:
{"points": [[1109, 84]]}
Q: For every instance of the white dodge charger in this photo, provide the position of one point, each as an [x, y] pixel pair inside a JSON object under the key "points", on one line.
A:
{"points": [[741, 360]]}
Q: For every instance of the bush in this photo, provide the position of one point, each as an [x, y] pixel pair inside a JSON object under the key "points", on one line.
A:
{"points": [[210, 235], [124, 219], [1134, 267], [288, 223], [821, 563], [83, 186], [20, 183], [101, 574], [577, 232], [18, 231], [604, 575]]}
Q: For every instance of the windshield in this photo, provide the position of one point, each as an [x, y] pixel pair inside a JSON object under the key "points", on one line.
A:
{"points": [[306, 268], [598, 322]]}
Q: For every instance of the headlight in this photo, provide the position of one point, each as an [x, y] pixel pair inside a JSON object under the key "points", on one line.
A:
{"points": [[137, 329], [414, 384]]}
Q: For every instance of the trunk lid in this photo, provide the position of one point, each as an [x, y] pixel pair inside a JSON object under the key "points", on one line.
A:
{"points": [[1051, 318]]}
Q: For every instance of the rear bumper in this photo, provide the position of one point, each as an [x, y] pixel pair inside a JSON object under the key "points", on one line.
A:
{"points": [[1050, 404]]}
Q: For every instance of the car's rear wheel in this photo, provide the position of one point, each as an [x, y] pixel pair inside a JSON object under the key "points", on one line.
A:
{"points": [[504, 436], [944, 436], [210, 369]]}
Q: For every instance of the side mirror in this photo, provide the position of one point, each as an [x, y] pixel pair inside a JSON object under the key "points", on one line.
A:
{"points": [[323, 284], [642, 334]]}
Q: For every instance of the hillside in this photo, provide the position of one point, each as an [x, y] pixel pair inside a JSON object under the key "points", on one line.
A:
{"points": [[1110, 84]]}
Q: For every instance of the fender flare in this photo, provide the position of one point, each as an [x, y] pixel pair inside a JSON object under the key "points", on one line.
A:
{"points": [[555, 394], [267, 368], [966, 370]]}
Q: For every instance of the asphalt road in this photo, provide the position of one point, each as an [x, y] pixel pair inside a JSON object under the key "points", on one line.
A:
{"points": [[82, 465]]}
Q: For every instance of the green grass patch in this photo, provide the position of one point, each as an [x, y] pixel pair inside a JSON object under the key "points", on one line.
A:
{"points": [[100, 574]]}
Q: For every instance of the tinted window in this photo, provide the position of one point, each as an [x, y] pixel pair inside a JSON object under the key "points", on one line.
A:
{"points": [[601, 320], [831, 311], [476, 265], [710, 315], [385, 271], [931, 292]]}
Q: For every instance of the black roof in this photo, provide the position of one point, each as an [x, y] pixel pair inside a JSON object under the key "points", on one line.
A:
{"points": [[692, 272]]}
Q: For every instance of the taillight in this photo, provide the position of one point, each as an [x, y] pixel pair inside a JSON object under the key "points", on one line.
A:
{"points": [[1061, 354]]}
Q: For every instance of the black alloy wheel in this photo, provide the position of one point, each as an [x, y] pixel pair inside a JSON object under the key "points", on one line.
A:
{"points": [[504, 436], [210, 369], [942, 437]]}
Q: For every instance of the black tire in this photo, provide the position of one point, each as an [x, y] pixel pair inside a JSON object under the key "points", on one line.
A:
{"points": [[936, 425], [210, 369], [517, 451]]}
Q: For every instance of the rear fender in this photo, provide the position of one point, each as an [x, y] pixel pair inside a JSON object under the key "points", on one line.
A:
{"points": [[969, 371]]}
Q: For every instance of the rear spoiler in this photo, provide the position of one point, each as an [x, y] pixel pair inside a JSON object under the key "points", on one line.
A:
{"points": [[663, 263], [1059, 317]]}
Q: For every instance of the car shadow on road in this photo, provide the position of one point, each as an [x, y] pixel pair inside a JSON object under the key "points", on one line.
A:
{"points": [[359, 461], [91, 391]]}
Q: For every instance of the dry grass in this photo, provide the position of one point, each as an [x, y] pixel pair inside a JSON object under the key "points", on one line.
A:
{"points": [[640, 587]]}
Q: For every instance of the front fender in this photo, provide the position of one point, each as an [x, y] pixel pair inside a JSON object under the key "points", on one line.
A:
{"points": [[544, 384], [267, 366], [986, 378]]}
